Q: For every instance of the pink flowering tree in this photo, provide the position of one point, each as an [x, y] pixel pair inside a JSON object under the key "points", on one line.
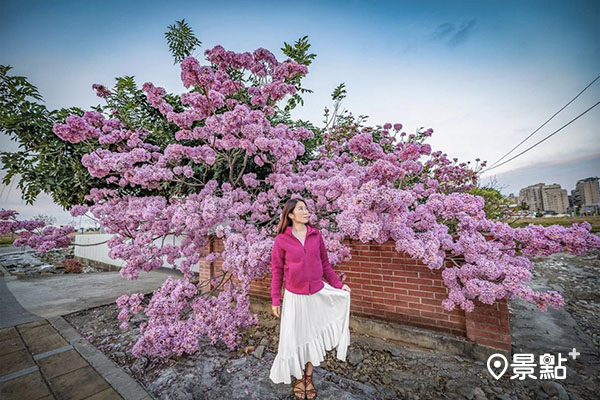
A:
{"points": [[235, 156]]}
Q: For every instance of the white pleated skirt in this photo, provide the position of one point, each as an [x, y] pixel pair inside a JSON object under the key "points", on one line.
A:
{"points": [[310, 326]]}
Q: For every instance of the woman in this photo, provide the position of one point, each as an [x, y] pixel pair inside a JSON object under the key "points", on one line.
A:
{"points": [[315, 315]]}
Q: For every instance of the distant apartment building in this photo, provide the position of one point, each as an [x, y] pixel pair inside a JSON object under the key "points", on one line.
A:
{"points": [[586, 192], [555, 199], [541, 197], [512, 198], [532, 196]]}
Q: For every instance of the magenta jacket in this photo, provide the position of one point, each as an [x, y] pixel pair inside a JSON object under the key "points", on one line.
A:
{"points": [[302, 266]]}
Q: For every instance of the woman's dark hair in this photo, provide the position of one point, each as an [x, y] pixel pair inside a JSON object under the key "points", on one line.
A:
{"points": [[284, 220]]}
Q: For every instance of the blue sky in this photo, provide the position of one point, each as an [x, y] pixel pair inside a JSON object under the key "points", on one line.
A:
{"points": [[482, 74]]}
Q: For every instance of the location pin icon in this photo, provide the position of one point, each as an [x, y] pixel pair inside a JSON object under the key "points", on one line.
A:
{"points": [[496, 365]]}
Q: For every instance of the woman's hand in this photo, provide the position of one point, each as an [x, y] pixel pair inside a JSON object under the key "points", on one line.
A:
{"points": [[277, 311], [346, 288]]}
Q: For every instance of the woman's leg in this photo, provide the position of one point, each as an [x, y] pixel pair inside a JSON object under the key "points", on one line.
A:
{"points": [[311, 391], [309, 368]]}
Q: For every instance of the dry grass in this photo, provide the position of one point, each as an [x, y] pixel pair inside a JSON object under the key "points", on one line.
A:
{"points": [[563, 221]]}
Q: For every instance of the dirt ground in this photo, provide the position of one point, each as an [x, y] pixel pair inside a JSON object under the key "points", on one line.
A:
{"points": [[375, 368]]}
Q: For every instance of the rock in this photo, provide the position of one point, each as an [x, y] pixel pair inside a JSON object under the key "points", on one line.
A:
{"points": [[555, 389], [139, 365], [386, 380], [271, 323], [258, 352], [385, 392], [46, 267], [488, 389], [139, 317], [540, 394], [478, 394], [355, 356], [120, 357], [239, 362], [264, 341]]}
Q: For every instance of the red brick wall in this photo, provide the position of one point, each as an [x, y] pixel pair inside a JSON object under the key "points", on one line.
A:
{"points": [[391, 286]]}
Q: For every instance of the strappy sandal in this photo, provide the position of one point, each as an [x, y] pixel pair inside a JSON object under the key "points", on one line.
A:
{"points": [[300, 391], [310, 393]]}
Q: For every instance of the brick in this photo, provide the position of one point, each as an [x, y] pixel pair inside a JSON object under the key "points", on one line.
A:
{"points": [[362, 292], [429, 308], [451, 325], [390, 296], [441, 290], [400, 303], [429, 275], [420, 293], [406, 310], [359, 303], [420, 281], [458, 319], [413, 299], [434, 316], [431, 302], [372, 287], [372, 276], [396, 290], [403, 261], [371, 265], [407, 286]]}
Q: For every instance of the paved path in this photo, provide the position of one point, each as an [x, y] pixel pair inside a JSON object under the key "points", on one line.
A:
{"points": [[42, 356], [51, 296], [5, 249], [11, 311], [48, 359]]}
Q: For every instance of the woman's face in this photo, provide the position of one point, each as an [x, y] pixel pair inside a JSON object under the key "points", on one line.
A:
{"points": [[300, 213]]}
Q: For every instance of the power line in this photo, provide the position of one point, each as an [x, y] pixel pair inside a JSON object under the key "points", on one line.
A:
{"points": [[533, 133], [547, 137]]}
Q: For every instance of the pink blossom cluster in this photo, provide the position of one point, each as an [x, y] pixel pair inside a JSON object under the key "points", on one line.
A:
{"points": [[244, 126], [129, 304], [169, 331], [101, 90], [77, 129], [30, 234]]}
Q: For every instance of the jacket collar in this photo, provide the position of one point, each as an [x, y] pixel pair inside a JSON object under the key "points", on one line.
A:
{"points": [[309, 230]]}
